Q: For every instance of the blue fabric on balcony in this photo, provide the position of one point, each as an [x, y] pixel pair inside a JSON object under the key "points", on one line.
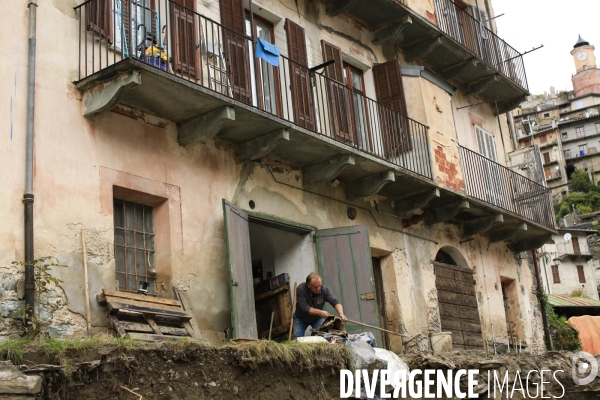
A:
{"points": [[268, 52]]}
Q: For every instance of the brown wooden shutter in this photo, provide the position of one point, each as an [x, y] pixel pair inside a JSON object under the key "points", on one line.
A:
{"points": [[98, 15], [575, 242], [390, 93], [236, 49], [581, 274], [338, 94], [185, 37], [299, 76], [555, 274]]}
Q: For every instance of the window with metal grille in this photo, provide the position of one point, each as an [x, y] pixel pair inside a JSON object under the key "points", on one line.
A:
{"points": [[134, 245], [579, 131], [581, 274], [555, 274]]}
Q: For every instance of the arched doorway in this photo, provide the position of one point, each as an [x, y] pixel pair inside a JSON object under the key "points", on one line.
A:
{"points": [[457, 299]]}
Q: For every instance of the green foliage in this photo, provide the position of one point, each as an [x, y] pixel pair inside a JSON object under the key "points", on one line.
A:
{"points": [[564, 336], [584, 196], [580, 182], [44, 282]]}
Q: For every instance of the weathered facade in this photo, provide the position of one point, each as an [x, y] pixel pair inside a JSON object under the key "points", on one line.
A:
{"points": [[189, 164]]}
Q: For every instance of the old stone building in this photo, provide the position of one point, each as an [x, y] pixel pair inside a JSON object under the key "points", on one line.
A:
{"points": [[351, 147]]}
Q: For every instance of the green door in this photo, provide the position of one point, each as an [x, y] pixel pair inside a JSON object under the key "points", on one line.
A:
{"points": [[344, 258], [241, 290]]}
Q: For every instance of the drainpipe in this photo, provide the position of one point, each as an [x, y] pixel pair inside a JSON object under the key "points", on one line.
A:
{"points": [[542, 303], [511, 127], [28, 196]]}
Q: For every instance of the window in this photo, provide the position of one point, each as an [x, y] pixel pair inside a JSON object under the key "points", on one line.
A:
{"points": [[567, 153], [487, 146], [579, 132], [98, 18], [527, 142], [546, 158], [555, 274], [354, 80], [546, 115], [582, 149], [134, 245], [581, 274], [565, 135], [543, 138], [598, 127]]}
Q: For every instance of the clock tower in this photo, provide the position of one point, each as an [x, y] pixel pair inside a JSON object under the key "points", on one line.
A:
{"points": [[587, 77]]}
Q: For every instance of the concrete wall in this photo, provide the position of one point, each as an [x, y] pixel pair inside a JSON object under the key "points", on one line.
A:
{"points": [[81, 164]]}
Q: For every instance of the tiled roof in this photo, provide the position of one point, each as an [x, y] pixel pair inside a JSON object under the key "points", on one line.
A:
{"points": [[557, 300]]}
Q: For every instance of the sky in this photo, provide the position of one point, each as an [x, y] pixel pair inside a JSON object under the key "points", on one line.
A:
{"points": [[555, 24]]}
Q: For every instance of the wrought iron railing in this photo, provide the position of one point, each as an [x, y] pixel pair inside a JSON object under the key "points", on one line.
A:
{"points": [[472, 34], [499, 186], [191, 46]]}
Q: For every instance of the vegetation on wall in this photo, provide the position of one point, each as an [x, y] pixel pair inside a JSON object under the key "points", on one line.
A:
{"points": [[584, 196], [564, 336]]}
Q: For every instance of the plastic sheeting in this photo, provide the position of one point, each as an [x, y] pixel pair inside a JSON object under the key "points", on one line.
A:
{"points": [[589, 332]]}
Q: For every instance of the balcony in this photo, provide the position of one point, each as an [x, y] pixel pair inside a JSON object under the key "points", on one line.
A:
{"points": [[582, 153], [506, 190], [553, 176], [451, 41], [582, 134], [573, 249], [204, 78]]}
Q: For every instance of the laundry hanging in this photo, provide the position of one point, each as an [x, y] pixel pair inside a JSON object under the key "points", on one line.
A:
{"points": [[268, 52]]}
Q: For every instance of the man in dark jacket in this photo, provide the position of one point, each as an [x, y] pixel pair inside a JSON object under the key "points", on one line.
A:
{"points": [[310, 299]]}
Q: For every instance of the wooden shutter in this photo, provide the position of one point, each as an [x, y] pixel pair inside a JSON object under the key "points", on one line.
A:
{"points": [[390, 93], [98, 15], [141, 15], [575, 242], [299, 76], [185, 37], [237, 47], [581, 274], [338, 94], [555, 274]]}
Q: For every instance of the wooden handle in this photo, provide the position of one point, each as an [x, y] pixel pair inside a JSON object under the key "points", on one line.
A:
{"points": [[85, 286], [375, 327], [293, 308]]}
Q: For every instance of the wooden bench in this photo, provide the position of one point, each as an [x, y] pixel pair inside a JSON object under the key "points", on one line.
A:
{"points": [[148, 318]]}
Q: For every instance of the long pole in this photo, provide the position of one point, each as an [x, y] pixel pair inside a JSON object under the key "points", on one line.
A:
{"points": [[375, 327], [28, 196], [85, 287], [542, 303], [293, 309]]}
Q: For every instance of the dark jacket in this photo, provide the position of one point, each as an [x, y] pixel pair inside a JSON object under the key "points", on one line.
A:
{"points": [[305, 300]]}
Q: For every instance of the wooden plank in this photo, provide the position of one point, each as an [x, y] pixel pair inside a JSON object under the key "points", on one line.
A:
{"points": [[467, 301], [117, 326], [114, 307], [145, 328], [152, 324], [457, 337], [465, 288], [454, 267], [448, 297], [469, 313], [449, 310], [147, 299], [451, 324], [138, 303], [272, 293], [445, 284], [150, 337], [443, 272], [469, 326], [464, 277], [186, 305], [473, 339]]}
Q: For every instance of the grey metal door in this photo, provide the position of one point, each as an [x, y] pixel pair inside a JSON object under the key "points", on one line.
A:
{"points": [[344, 258], [237, 236]]}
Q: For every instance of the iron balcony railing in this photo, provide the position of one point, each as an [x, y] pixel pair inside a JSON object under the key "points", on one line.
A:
{"points": [[580, 247], [580, 153], [582, 133], [499, 186], [186, 44], [472, 34]]}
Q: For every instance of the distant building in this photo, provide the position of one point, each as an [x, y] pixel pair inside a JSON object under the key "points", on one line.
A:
{"points": [[566, 125]]}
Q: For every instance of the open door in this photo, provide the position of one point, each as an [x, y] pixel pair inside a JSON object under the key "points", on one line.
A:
{"points": [[344, 258], [237, 236]]}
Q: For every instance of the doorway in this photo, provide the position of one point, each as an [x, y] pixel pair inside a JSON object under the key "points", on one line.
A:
{"points": [[380, 296]]}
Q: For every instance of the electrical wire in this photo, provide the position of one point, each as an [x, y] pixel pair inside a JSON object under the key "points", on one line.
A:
{"points": [[350, 204]]}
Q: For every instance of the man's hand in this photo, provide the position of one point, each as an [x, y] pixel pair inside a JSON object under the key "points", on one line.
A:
{"points": [[324, 314], [343, 317]]}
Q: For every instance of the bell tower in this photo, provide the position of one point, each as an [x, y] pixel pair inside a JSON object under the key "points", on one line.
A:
{"points": [[587, 76]]}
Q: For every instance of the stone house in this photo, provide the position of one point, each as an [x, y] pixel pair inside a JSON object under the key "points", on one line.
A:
{"points": [[353, 147]]}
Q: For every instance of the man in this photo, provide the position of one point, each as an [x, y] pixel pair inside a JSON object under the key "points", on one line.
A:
{"points": [[310, 299]]}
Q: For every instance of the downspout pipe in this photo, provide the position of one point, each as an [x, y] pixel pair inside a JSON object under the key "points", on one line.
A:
{"points": [[28, 196], [540, 294]]}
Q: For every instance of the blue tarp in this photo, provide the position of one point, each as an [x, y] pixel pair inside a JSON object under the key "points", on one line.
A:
{"points": [[268, 52]]}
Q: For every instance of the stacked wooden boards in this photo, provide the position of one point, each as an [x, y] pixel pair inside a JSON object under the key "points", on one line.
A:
{"points": [[148, 318]]}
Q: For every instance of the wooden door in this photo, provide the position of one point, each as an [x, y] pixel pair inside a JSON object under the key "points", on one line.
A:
{"points": [[546, 158], [390, 93], [302, 96], [237, 49], [575, 242], [241, 290], [338, 94], [344, 258], [458, 305], [379, 294]]}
